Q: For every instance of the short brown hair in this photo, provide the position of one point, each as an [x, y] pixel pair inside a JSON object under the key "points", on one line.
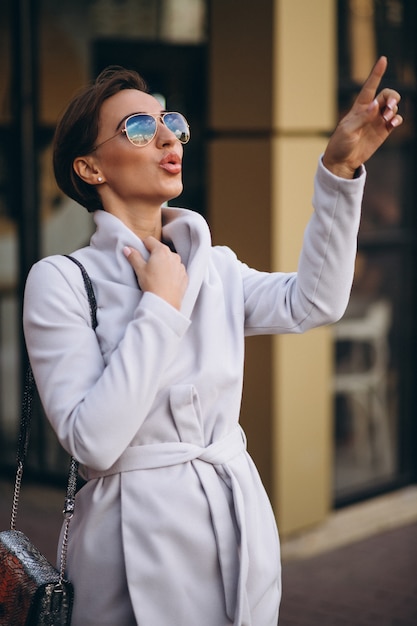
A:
{"points": [[77, 131]]}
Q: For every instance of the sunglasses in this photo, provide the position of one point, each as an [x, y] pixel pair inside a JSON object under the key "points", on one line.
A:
{"points": [[141, 128]]}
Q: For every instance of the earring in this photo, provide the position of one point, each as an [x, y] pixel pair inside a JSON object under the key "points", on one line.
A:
{"points": [[100, 180]]}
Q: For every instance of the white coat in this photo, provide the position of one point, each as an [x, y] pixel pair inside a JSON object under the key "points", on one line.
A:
{"points": [[173, 527]]}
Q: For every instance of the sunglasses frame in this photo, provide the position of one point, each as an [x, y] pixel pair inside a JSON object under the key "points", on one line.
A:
{"points": [[157, 117]]}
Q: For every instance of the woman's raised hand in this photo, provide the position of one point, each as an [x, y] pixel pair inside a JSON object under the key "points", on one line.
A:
{"points": [[162, 274], [367, 125]]}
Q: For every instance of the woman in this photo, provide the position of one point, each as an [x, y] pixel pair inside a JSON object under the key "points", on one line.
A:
{"points": [[173, 526]]}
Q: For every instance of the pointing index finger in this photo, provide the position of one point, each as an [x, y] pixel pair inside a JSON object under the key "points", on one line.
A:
{"points": [[370, 86]]}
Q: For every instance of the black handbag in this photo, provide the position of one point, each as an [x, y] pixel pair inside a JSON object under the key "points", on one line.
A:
{"points": [[32, 591]]}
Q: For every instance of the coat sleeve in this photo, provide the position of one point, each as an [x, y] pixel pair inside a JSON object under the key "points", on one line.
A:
{"points": [[94, 423], [319, 291]]}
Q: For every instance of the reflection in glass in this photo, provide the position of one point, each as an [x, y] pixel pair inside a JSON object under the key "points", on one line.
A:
{"points": [[369, 28], [365, 404], [373, 366]]}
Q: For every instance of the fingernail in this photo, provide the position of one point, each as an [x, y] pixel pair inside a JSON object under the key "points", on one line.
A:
{"points": [[127, 251], [391, 104], [395, 122], [373, 104], [388, 115]]}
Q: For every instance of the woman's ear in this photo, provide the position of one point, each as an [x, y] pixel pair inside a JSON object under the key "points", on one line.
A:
{"points": [[86, 169]]}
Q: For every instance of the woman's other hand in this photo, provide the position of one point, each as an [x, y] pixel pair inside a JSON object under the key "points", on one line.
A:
{"points": [[162, 274], [367, 125]]}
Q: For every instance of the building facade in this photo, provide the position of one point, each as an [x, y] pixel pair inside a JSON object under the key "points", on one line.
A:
{"points": [[329, 415]]}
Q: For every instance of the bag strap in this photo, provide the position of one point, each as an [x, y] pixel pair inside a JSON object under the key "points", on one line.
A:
{"points": [[89, 289], [23, 443]]}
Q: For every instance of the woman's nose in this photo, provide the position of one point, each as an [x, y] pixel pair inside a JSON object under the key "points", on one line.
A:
{"points": [[163, 134]]}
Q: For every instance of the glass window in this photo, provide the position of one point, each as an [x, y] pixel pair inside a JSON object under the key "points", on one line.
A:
{"points": [[9, 308], [373, 358], [75, 39]]}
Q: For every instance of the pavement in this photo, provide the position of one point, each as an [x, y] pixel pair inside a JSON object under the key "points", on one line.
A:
{"points": [[372, 582], [358, 568]]}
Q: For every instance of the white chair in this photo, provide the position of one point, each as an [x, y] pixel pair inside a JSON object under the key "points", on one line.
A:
{"points": [[362, 377]]}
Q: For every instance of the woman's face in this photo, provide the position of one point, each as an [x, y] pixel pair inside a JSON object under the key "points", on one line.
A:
{"points": [[136, 176]]}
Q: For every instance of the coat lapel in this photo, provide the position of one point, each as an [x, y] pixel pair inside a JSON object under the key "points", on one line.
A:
{"points": [[191, 237], [187, 230]]}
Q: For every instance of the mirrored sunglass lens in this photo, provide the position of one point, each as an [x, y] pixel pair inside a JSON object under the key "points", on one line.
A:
{"points": [[140, 129], [178, 125]]}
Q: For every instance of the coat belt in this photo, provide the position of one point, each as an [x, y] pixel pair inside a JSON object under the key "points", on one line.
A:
{"points": [[156, 455], [233, 556]]}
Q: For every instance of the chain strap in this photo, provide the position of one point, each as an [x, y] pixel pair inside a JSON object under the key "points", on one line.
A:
{"points": [[23, 443], [68, 514], [16, 495]]}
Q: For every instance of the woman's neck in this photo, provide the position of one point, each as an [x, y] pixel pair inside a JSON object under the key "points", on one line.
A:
{"points": [[143, 223]]}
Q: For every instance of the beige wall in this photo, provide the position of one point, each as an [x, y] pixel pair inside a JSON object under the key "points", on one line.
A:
{"points": [[272, 88]]}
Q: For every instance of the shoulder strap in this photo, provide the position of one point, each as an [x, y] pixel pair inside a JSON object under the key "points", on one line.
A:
{"points": [[25, 423], [89, 289]]}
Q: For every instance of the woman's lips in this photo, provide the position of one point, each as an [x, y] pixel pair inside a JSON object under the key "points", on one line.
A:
{"points": [[171, 163]]}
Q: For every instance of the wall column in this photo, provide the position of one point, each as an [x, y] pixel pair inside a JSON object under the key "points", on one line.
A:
{"points": [[272, 102]]}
